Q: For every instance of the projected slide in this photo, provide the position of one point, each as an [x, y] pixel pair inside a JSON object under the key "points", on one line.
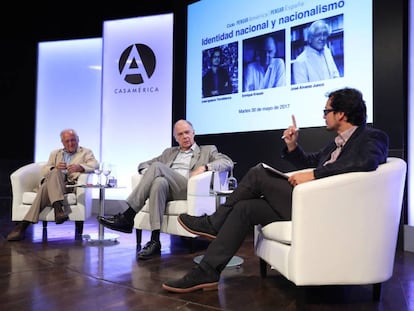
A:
{"points": [[250, 67]]}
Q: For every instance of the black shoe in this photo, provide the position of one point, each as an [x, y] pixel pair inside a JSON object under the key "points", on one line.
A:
{"points": [[19, 231], [196, 279], [150, 250], [199, 225], [60, 215], [117, 222]]}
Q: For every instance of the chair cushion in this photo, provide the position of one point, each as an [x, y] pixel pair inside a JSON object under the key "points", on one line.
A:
{"points": [[173, 207], [280, 231], [29, 196]]}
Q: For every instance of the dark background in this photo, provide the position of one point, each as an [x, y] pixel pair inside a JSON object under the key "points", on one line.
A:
{"points": [[21, 28]]}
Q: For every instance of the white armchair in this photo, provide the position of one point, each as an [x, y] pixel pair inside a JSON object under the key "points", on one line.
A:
{"points": [[200, 200], [343, 231], [25, 179]]}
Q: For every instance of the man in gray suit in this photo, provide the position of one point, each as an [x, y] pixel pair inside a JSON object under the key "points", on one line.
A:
{"points": [[165, 179]]}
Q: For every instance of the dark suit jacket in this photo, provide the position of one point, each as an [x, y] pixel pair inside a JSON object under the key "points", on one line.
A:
{"points": [[224, 83], [364, 151]]}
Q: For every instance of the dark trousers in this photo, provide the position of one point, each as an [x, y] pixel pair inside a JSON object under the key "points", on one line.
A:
{"points": [[261, 198]]}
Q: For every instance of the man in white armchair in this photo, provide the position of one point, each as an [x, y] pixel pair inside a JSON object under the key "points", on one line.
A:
{"points": [[165, 178], [263, 197], [63, 167]]}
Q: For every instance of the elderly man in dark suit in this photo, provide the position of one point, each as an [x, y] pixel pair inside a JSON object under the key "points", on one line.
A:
{"points": [[165, 179], [263, 197]]}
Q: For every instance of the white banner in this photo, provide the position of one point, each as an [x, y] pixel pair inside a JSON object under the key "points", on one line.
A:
{"points": [[136, 91], [68, 94]]}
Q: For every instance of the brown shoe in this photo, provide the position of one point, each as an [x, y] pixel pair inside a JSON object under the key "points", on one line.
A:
{"points": [[18, 233], [60, 216]]}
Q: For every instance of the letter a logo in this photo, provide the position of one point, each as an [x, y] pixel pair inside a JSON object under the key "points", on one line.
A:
{"points": [[137, 63]]}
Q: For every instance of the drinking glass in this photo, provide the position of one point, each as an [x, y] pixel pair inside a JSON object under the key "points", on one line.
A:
{"points": [[98, 171], [112, 182], [106, 170], [232, 180]]}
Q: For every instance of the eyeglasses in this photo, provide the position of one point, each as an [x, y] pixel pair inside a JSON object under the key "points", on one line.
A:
{"points": [[326, 111]]}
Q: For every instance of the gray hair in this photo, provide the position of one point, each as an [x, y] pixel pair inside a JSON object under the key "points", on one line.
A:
{"points": [[71, 131], [317, 24]]}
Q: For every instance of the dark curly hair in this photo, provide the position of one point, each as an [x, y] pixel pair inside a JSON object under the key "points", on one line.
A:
{"points": [[350, 102]]}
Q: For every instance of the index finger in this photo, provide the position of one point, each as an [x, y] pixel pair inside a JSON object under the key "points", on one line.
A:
{"points": [[294, 121]]}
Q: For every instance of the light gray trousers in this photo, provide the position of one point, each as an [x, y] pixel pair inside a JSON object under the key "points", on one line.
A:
{"points": [[159, 185]]}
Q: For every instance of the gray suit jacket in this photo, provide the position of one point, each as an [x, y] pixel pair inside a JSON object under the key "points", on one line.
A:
{"points": [[203, 155]]}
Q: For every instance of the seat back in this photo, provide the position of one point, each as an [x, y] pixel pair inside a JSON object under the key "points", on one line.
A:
{"points": [[25, 179]]}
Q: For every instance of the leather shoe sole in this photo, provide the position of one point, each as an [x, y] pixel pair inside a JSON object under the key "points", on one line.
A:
{"points": [[200, 233], [205, 287], [149, 256], [196, 279]]}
